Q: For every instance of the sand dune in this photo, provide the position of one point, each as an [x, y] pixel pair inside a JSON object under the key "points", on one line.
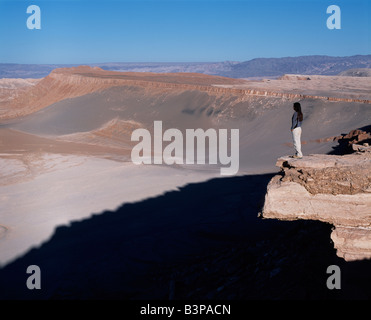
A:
{"points": [[115, 133], [14, 143]]}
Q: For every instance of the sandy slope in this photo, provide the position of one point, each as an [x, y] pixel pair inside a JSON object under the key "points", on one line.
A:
{"points": [[66, 188]]}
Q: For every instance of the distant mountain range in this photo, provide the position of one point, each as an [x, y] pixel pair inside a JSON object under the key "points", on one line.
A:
{"points": [[255, 68], [321, 65]]}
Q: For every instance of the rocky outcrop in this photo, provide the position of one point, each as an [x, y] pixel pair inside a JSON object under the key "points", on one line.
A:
{"points": [[357, 137], [294, 77], [330, 188], [9, 88]]}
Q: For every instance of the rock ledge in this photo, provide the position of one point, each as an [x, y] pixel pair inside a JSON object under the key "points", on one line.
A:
{"points": [[329, 188]]}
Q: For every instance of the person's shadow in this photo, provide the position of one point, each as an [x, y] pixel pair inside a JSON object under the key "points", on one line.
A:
{"points": [[204, 241]]}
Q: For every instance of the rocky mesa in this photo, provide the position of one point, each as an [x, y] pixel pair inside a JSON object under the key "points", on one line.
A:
{"points": [[331, 188]]}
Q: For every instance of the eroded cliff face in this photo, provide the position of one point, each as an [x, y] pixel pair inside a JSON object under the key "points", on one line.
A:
{"points": [[67, 83], [330, 188]]}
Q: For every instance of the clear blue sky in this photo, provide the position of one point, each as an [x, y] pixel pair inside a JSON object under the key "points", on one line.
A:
{"points": [[180, 31]]}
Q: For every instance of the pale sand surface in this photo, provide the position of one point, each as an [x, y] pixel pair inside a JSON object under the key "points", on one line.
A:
{"points": [[70, 187], [3, 231]]}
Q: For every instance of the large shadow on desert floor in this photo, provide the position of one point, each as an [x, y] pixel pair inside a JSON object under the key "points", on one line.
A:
{"points": [[204, 241]]}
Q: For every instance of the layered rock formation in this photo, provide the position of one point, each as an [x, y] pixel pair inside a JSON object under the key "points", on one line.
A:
{"points": [[66, 83], [354, 140], [330, 188], [9, 88]]}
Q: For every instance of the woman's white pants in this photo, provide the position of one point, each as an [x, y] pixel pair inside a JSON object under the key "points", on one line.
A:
{"points": [[296, 135]]}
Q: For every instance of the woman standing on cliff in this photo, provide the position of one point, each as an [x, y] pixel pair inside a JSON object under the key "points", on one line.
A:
{"points": [[296, 121]]}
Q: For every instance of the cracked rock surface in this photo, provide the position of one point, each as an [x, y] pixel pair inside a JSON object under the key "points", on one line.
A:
{"points": [[330, 188]]}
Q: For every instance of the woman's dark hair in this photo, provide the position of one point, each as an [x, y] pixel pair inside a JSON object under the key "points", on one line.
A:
{"points": [[297, 108]]}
